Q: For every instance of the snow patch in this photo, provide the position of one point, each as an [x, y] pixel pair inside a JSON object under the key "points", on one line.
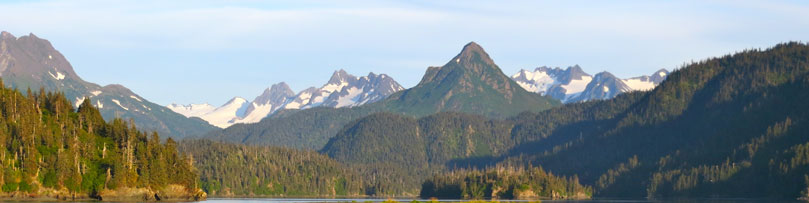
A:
{"points": [[50, 57], [577, 86], [119, 104], [79, 100], [225, 114], [334, 87], [350, 99], [293, 105], [192, 110], [606, 89], [136, 98], [535, 81], [222, 116], [305, 96], [661, 74], [317, 100], [302, 100], [259, 112], [638, 84], [528, 86], [99, 104], [57, 76], [95, 93]]}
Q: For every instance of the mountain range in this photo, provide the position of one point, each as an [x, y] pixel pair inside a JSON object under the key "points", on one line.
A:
{"points": [[345, 90], [30, 62], [342, 90], [574, 85], [469, 82]]}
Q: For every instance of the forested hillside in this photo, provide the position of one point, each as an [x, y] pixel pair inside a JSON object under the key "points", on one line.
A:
{"points": [[724, 127], [503, 182], [301, 129], [415, 149], [729, 126], [234, 170], [48, 149]]}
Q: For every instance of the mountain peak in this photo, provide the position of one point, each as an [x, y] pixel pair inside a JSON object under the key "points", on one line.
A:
{"points": [[117, 88], [470, 82], [277, 93], [236, 100], [660, 75], [544, 69], [34, 58], [339, 76], [7, 35], [575, 68], [472, 51], [472, 46], [576, 72], [281, 87], [604, 74]]}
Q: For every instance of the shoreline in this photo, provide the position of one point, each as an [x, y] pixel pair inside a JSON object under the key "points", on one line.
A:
{"points": [[171, 193]]}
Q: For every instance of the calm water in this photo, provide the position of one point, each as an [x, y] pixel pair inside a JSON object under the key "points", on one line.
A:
{"points": [[274, 200]]}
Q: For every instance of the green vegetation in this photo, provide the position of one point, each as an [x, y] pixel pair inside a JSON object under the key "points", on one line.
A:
{"points": [[719, 127], [228, 170], [470, 83], [403, 150], [301, 129], [48, 149], [504, 183], [725, 127]]}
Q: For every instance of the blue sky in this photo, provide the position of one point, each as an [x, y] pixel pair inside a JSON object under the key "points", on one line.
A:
{"points": [[210, 51]]}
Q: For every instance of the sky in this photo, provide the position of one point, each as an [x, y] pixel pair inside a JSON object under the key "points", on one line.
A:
{"points": [[200, 51]]}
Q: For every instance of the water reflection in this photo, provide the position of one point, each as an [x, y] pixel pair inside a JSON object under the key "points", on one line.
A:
{"points": [[274, 200]]}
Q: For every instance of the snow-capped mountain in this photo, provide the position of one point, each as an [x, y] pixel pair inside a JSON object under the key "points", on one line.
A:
{"points": [[342, 90], [346, 90], [558, 83], [604, 85], [574, 85], [192, 110], [647, 82], [269, 101], [217, 116]]}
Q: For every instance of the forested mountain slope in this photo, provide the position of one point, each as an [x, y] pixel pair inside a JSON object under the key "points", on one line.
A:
{"points": [[732, 126], [48, 149], [235, 170], [720, 127]]}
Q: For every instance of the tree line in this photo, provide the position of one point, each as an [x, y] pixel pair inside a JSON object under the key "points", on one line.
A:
{"points": [[47, 145]]}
